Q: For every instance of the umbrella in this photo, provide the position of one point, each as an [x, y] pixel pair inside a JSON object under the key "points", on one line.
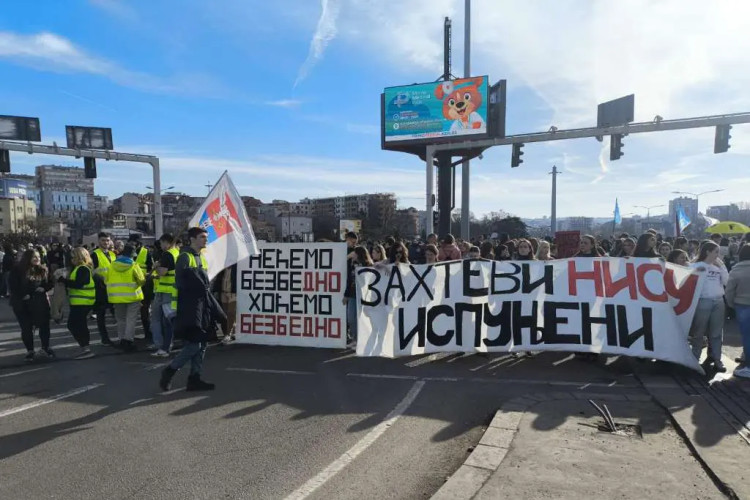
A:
{"points": [[728, 227]]}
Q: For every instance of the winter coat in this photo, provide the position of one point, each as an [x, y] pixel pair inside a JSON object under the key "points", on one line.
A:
{"points": [[738, 286], [449, 252], [198, 311]]}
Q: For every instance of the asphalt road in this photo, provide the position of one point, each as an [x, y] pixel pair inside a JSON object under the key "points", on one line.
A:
{"points": [[283, 422]]}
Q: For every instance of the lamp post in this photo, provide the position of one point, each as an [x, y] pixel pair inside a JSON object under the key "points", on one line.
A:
{"points": [[159, 205], [698, 195], [648, 211]]}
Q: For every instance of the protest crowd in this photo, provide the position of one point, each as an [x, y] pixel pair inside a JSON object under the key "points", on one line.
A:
{"points": [[182, 311]]}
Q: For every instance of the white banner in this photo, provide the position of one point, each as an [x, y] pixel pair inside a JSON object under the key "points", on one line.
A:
{"points": [[633, 307], [292, 294], [230, 234]]}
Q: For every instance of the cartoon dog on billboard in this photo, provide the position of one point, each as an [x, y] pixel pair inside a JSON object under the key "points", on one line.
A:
{"points": [[461, 99]]}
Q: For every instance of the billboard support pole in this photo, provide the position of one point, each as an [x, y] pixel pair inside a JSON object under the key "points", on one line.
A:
{"points": [[445, 190], [430, 170], [465, 169]]}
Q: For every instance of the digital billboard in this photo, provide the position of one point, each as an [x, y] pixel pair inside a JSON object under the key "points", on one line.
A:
{"points": [[435, 112]]}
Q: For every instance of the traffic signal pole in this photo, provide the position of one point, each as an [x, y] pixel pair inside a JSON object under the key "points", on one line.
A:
{"points": [[30, 148]]}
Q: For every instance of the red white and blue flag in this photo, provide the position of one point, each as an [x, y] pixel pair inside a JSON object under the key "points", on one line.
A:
{"points": [[230, 234]]}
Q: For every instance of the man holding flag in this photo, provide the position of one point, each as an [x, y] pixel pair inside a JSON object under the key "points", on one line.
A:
{"points": [[220, 236]]}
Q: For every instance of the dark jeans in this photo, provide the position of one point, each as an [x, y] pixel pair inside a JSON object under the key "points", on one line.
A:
{"points": [[146, 317], [193, 352], [101, 319], [78, 325], [27, 319]]}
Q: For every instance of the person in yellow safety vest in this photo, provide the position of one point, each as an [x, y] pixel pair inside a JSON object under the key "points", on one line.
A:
{"points": [[146, 263], [161, 325], [197, 312], [82, 297], [124, 282], [101, 258]]}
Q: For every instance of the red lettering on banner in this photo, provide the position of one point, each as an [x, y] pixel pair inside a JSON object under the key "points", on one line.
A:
{"points": [[322, 282], [683, 294], [612, 288], [574, 275], [643, 288], [292, 326]]}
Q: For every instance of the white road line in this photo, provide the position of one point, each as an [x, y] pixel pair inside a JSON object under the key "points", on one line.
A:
{"points": [[378, 375], [155, 367], [52, 399], [504, 381], [438, 356], [167, 393], [24, 371], [278, 372], [140, 401], [338, 465]]}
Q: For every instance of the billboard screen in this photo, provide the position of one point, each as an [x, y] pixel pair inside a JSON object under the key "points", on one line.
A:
{"points": [[20, 128], [431, 112], [89, 137], [12, 188]]}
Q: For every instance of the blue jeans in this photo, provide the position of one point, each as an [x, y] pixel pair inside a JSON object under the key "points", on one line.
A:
{"points": [[193, 352], [709, 322], [743, 319], [161, 326]]}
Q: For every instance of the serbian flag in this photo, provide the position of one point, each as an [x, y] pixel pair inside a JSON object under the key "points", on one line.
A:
{"points": [[230, 235]]}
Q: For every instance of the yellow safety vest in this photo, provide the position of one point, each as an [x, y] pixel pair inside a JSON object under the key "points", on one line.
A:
{"points": [[192, 264], [141, 259], [104, 260], [123, 287], [85, 296], [165, 284]]}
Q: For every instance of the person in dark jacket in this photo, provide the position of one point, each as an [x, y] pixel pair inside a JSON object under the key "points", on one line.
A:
{"points": [[29, 283], [82, 296], [197, 312], [9, 262]]}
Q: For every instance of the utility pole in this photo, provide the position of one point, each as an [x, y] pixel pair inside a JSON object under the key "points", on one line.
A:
{"points": [[209, 186], [465, 225], [446, 181], [553, 215]]}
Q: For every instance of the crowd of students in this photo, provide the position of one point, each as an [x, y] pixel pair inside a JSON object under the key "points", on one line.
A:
{"points": [[125, 279], [726, 262]]}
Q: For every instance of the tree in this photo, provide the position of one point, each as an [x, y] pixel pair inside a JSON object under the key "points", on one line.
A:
{"points": [[513, 226]]}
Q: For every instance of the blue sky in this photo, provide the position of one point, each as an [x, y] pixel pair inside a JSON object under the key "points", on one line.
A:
{"points": [[285, 94]]}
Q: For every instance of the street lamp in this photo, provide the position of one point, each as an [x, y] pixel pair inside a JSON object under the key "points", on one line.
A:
{"points": [[161, 190], [648, 211], [697, 195]]}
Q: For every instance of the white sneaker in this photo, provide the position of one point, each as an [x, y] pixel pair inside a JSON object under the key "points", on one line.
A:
{"points": [[226, 340], [161, 353], [742, 372]]}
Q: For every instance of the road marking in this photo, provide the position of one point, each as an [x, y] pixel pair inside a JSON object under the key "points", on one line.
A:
{"points": [[338, 465], [496, 380], [277, 372], [378, 375], [24, 371], [167, 393], [438, 356], [140, 401], [52, 399], [339, 358]]}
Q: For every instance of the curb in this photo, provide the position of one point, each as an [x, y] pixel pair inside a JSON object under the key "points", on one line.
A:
{"points": [[489, 454]]}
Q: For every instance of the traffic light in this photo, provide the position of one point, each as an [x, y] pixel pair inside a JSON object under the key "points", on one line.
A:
{"points": [[89, 168], [515, 159], [435, 219], [721, 140], [4, 161], [615, 147]]}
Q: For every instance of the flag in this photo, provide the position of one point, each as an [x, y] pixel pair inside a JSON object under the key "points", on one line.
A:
{"points": [[618, 218], [230, 235], [683, 220]]}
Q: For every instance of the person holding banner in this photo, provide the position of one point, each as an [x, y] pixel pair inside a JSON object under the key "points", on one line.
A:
{"points": [[646, 246], [359, 257], [709, 314], [197, 312]]}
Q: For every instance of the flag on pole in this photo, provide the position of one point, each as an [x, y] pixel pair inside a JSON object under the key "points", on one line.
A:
{"points": [[618, 218], [683, 220], [230, 235]]}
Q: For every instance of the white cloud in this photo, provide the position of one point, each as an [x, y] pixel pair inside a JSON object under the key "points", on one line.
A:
{"points": [[47, 51], [324, 33], [284, 103]]}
